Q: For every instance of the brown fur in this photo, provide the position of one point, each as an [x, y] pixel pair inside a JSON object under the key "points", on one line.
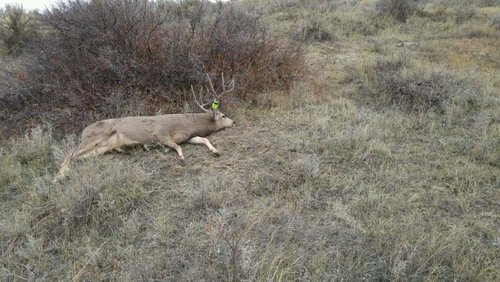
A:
{"points": [[169, 130]]}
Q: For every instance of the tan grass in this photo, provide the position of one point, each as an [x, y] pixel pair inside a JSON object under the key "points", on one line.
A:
{"points": [[315, 184]]}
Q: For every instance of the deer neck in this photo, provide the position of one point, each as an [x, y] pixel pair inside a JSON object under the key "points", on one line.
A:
{"points": [[205, 125]]}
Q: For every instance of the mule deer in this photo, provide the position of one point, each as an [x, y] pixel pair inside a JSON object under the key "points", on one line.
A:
{"points": [[166, 130]]}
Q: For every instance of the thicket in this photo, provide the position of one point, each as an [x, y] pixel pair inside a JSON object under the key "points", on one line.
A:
{"points": [[15, 29], [110, 58], [397, 82]]}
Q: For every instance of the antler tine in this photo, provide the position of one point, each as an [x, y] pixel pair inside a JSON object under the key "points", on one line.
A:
{"points": [[196, 101], [230, 85], [223, 82], [211, 87], [224, 86]]}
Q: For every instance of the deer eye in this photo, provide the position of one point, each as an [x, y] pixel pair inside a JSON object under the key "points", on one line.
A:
{"points": [[223, 116]]}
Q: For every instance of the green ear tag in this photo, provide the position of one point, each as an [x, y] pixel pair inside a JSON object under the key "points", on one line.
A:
{"points": [[215, 105]]}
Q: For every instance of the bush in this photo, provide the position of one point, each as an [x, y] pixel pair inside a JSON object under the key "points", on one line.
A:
{"points": [[398, 9], [464, 13], [169, 51], [487, 3], [311, 30], [276, 6], [495, 22], [15, 28], [365, 25], [395, 82], [115, 57]]}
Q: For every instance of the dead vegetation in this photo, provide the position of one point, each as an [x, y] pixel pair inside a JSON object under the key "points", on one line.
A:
{"points": [[395, 82]]}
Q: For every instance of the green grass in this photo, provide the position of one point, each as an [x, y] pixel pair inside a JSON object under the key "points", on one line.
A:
{"points": [[331, 181]]}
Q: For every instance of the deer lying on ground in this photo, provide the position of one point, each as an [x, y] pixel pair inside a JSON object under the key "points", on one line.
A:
{"points": [[165, 130]]}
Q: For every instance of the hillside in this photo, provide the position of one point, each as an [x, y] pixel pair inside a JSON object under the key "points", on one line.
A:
{"points": [[381, 163]]}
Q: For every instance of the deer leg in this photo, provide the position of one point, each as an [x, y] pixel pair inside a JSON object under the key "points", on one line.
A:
{"points": [[115, 141], [171, 143], [201, 140], [81, 154], [63, 170], [95, 152]]}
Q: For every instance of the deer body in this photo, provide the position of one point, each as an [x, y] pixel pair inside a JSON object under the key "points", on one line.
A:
{"points": [[150, 129], [169, 130], [166, 130]]}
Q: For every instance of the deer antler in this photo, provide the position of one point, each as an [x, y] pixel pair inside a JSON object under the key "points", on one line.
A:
{"points": [[230, 85], [202, 106], [211, 90], [224, 90]]}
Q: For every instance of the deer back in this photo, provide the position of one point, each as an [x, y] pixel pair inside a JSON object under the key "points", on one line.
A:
{"points": [[147, 129]]}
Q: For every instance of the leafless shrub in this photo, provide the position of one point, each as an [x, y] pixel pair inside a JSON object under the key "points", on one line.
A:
{"points": [[311, 30], [99, 201], [281, 5], [34, 147], [15, 28], [495, 22], [364, 26], [167, 48], [397, 83], [487, 3], [398, 9], [464, 12], [437, 12], [322, 5]]}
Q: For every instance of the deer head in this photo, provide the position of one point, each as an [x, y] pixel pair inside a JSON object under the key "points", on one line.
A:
{"points": [[219, 118]]}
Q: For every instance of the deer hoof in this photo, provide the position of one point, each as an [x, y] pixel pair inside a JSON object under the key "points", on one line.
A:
{"points": [[182, 162], [216, 153]]}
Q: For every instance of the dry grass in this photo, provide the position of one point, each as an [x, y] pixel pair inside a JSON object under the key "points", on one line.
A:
{"points": [[314, 185]]}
